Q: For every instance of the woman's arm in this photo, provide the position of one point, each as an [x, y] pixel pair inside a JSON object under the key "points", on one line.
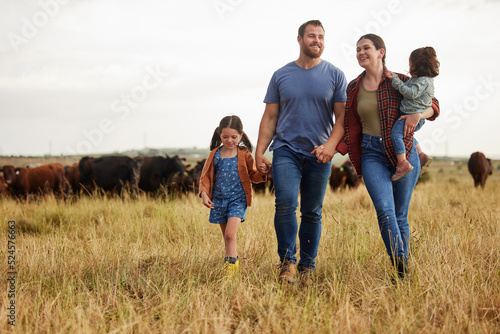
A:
{"points": [[435, 107], [413, 119]]}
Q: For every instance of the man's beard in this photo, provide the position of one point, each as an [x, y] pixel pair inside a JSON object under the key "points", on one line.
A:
{"points": [[310, 53]]}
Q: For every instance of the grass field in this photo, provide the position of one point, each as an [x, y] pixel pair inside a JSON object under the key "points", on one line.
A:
{"points": [[110, 265]]}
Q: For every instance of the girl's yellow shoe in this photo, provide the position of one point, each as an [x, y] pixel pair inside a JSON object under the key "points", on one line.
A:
{"points": [[231, 269]]}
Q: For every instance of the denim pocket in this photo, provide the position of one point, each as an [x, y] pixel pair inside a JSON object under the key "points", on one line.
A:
{"points": [[366, 142]]}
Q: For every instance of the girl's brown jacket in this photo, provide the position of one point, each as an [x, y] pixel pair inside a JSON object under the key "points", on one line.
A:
{"points": [[246, 169]]}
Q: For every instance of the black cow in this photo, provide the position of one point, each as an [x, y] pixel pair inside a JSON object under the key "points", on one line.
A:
{"points": [[109, 173], [158, 172], [479, 167], [189, 181]]}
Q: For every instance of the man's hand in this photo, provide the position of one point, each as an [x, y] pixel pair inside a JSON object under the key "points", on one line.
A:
{"points": [[263, 165], [324, 153]]}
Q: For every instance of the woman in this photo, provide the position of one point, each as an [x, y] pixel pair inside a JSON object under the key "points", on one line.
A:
{"points": [[372, 108]]}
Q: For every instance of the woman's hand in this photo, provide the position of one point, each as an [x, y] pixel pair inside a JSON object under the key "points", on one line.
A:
{"points": [[411, 122], [318, 150], [324, 153]]}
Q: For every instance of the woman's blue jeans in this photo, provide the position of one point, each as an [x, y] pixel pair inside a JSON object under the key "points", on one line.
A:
{"points": [[391, 199], [295, 173]]}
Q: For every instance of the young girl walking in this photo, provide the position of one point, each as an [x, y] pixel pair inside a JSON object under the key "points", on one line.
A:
{"points": [[226, 184], [417, 97]]}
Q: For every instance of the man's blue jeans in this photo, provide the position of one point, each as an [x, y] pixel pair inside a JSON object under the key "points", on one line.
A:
{"points": [[391, 199], [293, 173]]}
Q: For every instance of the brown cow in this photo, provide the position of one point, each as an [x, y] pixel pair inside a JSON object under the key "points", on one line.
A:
{"points": [[343, 176], [3, 187], [72, 174], [24, 181], [479, 168]]}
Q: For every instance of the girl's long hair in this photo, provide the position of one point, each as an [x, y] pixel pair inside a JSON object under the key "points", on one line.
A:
{"points": [[424, 62], [233, 122]]}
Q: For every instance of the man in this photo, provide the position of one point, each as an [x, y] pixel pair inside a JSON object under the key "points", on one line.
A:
{"points": [[300, 102]]}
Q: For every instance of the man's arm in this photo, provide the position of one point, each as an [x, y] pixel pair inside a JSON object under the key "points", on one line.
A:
{"points": [[328, 149], [267, 130]]}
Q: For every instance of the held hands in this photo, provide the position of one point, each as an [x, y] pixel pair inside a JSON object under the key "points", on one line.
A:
{"points": [[324, 153], [206, 200], [263, 165]]}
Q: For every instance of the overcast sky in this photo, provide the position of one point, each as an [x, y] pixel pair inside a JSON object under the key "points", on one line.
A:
{"points": [[92, 77]]}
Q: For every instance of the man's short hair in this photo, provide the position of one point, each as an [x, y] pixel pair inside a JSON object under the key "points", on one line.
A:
{"points": [[316, 23]]}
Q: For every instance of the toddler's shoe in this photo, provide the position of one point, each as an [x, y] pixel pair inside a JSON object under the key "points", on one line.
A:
{"points": [[425, 161], [402, 169]]}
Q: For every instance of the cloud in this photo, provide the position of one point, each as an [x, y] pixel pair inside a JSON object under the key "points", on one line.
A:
{"points": [[92, 58]]}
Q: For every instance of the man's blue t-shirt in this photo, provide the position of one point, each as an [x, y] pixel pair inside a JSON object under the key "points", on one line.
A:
{"points": [[306, 99]]}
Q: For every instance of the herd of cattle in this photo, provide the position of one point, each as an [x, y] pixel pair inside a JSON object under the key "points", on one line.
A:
{"points": [[113, 174], [154, 175], [108, 174]]}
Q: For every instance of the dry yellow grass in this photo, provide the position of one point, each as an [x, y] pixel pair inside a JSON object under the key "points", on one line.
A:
{"points": [[151, 266]]}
